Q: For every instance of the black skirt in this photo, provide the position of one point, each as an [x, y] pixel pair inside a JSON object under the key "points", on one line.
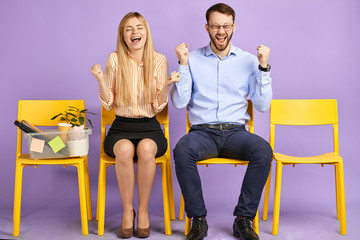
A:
{"points": [[135, 129]]}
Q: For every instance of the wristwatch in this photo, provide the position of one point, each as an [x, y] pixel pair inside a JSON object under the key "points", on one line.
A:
{"points": [[267, 69]]}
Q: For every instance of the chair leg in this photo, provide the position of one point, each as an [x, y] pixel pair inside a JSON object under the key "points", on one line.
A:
{"points": [[266, 196], [17, 198], [277, 198], [82, 196], [97, 197], [166, 198], [340, 180], [97, 202], [101, 198], [88, 193], [256, 222], [182, 208], [337, 193], [187, 225], [171, 191]]}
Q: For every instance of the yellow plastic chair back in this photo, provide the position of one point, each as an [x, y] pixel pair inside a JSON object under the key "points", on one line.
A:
{"points": [[39, 113], [107, 118]]}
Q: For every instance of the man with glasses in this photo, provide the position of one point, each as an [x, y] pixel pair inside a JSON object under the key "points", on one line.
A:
{"points": [[216, 81]]}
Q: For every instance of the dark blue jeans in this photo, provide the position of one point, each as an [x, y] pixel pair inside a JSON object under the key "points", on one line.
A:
{"points": [[203, 143]]}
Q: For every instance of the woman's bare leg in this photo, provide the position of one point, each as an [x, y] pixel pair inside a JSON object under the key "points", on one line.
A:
{"points": [[124, 151], [146, 151]]}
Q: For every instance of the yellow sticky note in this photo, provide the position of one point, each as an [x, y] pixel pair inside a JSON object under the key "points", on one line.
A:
{"points": [[56, 144], [37, 145]]}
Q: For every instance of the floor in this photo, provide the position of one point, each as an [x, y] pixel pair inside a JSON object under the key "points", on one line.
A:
{"points": [[295, 224]]}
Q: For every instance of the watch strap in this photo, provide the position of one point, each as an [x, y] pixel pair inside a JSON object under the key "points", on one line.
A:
{"points": [[267, 69]]}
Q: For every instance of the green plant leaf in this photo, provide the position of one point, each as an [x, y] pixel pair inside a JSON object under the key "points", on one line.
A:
{"points": [[63, 119], [72, 115], [90, 123], [84, 110], [54, 117], [81, 120], [74, 108], [73, 120]]}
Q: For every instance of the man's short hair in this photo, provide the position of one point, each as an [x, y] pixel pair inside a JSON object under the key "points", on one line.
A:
{"points": [[222, 8]]}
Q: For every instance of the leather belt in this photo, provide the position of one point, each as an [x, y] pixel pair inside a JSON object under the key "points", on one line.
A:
{"points": [[220, 126]]}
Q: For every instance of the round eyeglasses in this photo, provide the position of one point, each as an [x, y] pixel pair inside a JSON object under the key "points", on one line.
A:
{"points": [[226, 27]]}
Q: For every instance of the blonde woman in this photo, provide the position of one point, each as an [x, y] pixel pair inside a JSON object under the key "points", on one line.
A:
{"points": [[135, 83]]}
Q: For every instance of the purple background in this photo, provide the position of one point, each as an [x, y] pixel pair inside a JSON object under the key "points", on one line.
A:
{"points": [[47, 48]]}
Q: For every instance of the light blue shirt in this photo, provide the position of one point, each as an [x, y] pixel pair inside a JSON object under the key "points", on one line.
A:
{"points": [[216, 90]]}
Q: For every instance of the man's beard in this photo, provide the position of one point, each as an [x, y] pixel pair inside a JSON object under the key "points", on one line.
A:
{"points": [[220, 47]]}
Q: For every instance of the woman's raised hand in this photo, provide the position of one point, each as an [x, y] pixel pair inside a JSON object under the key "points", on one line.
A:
{"points": [[174, 77], [97, 72]]}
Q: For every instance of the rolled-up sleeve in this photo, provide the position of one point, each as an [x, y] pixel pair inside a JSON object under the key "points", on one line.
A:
{"points": [[110, 77], [160, 79]]}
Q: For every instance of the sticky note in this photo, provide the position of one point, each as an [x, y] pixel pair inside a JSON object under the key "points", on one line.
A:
{"points": [[37, 145], [56, 144]]}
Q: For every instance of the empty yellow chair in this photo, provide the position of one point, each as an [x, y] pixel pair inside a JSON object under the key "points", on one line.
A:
{"points": [[210, 161], [307, 112], [107, 118], [38, 113]]}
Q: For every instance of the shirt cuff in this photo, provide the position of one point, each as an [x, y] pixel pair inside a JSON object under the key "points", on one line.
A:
{"points": [[108, 105], [264, 81], [182, 68], [157, 107], [263, 78]]}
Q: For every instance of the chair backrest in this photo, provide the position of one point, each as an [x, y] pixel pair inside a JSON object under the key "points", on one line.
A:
{"points": [[304, 112], [107, 118], [250, 123], [39, 113]]}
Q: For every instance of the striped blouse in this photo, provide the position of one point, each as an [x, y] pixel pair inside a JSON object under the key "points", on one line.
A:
{"points": [[139, 108]]}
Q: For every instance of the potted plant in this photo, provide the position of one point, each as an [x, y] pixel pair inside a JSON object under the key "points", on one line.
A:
{"points": [[77, 137], [74, 116]]}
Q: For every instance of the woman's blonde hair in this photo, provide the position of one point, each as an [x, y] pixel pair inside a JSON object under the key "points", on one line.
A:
{"points": [[124, 96]]}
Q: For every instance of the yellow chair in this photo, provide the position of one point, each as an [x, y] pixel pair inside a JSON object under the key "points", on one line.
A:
{"points": [[107, 118], [307, 112], [210, 161], [38, 113]]}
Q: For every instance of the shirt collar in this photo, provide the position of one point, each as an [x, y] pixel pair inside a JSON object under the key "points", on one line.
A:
{"points": [[209, 51]]}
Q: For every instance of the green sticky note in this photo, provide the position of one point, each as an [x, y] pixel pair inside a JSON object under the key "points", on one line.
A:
{"points": [[56, 144]]}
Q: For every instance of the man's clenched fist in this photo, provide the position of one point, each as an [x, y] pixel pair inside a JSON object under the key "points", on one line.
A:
{"points": [[263, 55], [182, 53]]}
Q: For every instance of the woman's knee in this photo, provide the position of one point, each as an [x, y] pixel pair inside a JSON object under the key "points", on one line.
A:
{"points": [[124, 150], [146, 150]]}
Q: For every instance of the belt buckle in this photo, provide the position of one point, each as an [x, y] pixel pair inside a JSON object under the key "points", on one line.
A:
{"points": [[221, 126]]}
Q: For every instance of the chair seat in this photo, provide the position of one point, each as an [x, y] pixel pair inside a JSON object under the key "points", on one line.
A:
{"points": [[222, 161], [110, 160], [25, 159], [323, 158]]}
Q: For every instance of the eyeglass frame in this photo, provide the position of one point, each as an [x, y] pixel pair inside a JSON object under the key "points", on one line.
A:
{"points": [[217, 28]]}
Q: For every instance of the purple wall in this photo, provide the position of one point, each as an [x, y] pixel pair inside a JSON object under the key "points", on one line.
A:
{"points": [[47, 48]]}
